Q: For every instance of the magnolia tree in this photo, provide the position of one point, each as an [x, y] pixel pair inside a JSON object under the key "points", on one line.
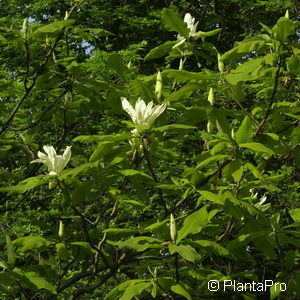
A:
{"points": [[182, 184]]}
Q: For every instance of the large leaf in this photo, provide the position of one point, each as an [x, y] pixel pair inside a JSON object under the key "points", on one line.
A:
{"points": [[193, 223], [185, 251], [179, 289], [26, 184], [139, 244], [283, 29], [161, 50], [174, 22], [30, 242], [245, 132], [246, 46], [116, 292], [212, 248], [54, 27], [134, 290], [258, 147]]}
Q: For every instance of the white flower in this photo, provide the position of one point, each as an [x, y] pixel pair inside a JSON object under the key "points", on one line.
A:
{"points": [[143, 114], [262, 200], [54, 162], [190, 21]]}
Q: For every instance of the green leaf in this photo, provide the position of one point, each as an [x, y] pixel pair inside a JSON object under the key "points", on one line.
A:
{"points": [[115, 62], [295, 214], [132, 172], [202, 34], [258, 147], [248, 45], [97, 138], [62, 250], [101, 151], [254, 171], [27, 184], [139, 244], [179, 289], [275, 290], [193, 224], [161, 50], [245, 132], [283, 29], [37, 280], [174, 126], [134, 290], [182, 75], [233, 169], [11, 255], [185, 251], [173, 22], [213, 248], [184, 92], [116, 292], [30, 242], [212, 197], [54, 27], [213, 158]]}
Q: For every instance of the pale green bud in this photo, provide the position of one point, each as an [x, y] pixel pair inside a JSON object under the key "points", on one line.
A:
{"points": [[66, 15], [158, 86], [173, 230], [220, 64], [233, 134], [211, 97], [287, 14], [180, 64], [25, 28], [210, 127], [61, 229]]}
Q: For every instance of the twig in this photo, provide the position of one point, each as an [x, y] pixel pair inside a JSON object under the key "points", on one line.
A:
{"points": [[269, 110]]}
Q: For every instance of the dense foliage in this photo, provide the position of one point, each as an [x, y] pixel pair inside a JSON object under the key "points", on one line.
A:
{"points": [[143, 154]]}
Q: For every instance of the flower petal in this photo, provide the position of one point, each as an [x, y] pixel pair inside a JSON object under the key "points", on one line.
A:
{"points": [[140, 107], [129, 109], [156, 112]]}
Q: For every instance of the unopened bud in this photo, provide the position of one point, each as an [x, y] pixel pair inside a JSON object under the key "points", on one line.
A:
{"points": [[66, 15], [287, 14], [211, 96], [158, 86], [180, 64], [25, 28], [220, 64], [210, 127], [61, 229], [173, 230], [233, 134]]}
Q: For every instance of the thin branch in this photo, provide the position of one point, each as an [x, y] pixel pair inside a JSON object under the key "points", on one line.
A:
{"points": [[269, 110]]}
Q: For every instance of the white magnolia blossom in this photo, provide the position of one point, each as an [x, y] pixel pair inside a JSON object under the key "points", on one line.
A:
{"points": [[190, 21], [54, 162], [143, 114]]}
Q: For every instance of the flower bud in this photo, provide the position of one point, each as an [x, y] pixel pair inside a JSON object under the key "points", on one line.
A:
{"points": [[210, 127], [158, 86], [25, 28], [180, 64], [220, 64], [233, 134], [66, 15], [61, 229], [211, 97], [287, 14], [173, 230]]}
